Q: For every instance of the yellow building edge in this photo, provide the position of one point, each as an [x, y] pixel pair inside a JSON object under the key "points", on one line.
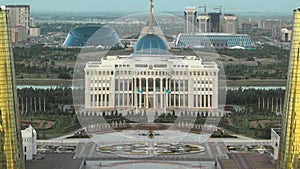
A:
{"points": [[290, 135], [11, 150]]}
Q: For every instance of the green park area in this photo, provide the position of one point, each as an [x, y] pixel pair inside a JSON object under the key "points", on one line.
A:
{"points": [[51, 126], [48, 111], [265, 66]]}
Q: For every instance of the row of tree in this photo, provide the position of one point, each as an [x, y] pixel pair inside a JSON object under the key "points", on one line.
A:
{"points": [[41, 53], [44, 101], [61, 72], [267, 51], [57, 97], [253, 97], [261, 71]]}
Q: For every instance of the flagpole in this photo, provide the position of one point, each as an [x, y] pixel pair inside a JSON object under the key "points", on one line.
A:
{"points": [[165, 102], [165, 105], [138, 91], [136, 102]]}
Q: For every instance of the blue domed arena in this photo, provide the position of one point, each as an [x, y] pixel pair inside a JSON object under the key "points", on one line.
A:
{"points": [[151, 44], [92, 36]]}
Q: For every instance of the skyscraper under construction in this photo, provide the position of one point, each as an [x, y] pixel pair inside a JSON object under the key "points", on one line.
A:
{"points": [[290, 136], [11, 154]]}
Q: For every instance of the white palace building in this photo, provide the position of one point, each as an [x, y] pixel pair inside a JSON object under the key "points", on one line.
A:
{"points": [[151, 79]]}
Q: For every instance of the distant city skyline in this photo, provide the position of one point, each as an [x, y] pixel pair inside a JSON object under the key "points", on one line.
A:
{"points": [[159, 5]]}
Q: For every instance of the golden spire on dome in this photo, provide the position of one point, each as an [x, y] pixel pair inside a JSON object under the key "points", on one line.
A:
{"points": [[151, 15]]}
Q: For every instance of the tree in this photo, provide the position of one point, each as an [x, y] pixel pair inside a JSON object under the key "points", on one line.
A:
{"points": [[64, 76]]}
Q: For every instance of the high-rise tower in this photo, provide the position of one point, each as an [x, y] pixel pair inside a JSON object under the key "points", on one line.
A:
{"points": [[19, 22], [190, 16], [290, 136], [215, 22], [11, 154], [203, 23], [230, 24]]}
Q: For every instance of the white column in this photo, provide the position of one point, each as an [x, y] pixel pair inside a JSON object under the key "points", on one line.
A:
{"points": [[174, 95], [154, 93], [201, 92], [119, 91], [198, 89], [86, 92], [96, 92], [179, 92], [135, 92], [128, 82], [123, 92], [93, 92], [105, 94], [205, 93], [147, 94], [100, 92], [161, 93], [132, 91], [110, 92], [97, 98], [190, 91], [184, 92], [208, 99], [208, 94], [215, 92]]}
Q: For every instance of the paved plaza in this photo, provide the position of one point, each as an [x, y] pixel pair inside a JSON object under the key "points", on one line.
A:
{"points": [[214, 148]]}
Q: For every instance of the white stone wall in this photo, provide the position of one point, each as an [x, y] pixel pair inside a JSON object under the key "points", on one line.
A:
{"points": [[102, 77]]}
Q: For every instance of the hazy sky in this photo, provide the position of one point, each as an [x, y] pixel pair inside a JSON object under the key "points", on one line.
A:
{"points": [[285, 6]]}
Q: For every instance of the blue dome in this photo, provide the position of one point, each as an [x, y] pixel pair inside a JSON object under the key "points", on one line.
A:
{"points": [[92, 36], [151, 44]]}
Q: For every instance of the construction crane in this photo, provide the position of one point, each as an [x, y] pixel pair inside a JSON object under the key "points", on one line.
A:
{"points": [[204, 8], [221, 8]]}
